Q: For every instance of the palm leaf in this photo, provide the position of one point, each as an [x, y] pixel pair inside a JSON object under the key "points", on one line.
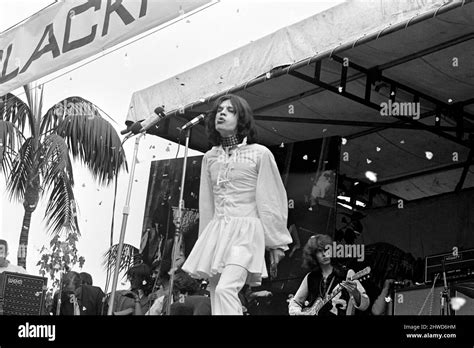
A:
{"points": [[90, 138], [55, 160], [61, 211], [22, 166], [130, 257], [9, 140], [14, 110]]}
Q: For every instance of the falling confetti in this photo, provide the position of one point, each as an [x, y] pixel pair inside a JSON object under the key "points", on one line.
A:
{"points": [[369, 161], [168, 149], [136, 180], [100, 203], [356, 183], [305, 157], [83, 185], [402, 141], [324, 130], [310, 208], [268, 75], [450, 100], [429, 155], [340, 89], [282, 145], [378, 149], [344, 141], [371, 176]]}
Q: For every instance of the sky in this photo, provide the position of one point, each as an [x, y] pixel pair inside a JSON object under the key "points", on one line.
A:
{"points": [[108, 80]]}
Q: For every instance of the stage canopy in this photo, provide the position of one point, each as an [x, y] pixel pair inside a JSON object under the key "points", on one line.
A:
{"points": [[331, 73]]}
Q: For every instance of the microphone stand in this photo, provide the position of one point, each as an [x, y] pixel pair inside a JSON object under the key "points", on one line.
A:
{"points": [[445, 298], [177, 234], [126, 211]]}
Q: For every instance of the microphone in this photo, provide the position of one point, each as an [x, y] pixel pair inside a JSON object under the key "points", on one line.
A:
{"points": [[142, 126], [193, 122]]}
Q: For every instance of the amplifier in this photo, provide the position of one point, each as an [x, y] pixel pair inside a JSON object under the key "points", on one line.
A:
{"points": [[458, 265], [23, 294], [410, 301]]}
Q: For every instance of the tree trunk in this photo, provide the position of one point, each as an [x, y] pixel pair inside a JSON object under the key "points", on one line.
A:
{"points": [[23, 245], [29, 204]]}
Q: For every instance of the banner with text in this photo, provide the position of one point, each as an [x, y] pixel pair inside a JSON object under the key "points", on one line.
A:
{"points": [[69, 31]]}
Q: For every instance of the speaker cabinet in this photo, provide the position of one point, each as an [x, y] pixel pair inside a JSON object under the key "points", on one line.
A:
{"points": [[410, 301], [22, 294]]}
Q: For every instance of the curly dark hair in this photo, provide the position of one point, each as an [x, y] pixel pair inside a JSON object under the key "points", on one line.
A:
{"points": [[245, 125], [314, 244], [140, 277], [184, 283]]}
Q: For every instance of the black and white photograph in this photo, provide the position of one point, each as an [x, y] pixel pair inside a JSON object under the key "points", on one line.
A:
{"points": [[300, 171]]}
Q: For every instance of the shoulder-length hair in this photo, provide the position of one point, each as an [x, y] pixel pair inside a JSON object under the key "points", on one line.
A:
{"points": [[245, 125], [314, 244]]}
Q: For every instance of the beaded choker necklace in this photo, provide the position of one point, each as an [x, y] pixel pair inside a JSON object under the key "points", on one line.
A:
{"points": [[230, 141]]}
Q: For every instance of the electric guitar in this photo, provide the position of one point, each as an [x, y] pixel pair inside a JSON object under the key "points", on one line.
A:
{"points": [[320, 302]]}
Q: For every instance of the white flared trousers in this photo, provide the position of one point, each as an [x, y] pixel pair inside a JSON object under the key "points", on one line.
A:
{"points": [[224, 289]]}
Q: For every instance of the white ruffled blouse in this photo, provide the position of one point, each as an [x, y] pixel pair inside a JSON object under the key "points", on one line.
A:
{"points": [[243, 209]]}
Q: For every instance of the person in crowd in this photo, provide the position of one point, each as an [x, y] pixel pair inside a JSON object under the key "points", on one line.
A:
{"points": [[326, 278], [242, 208], [86, 278], [78, 298], [91, 298], [65, 300], [5, 265], [136, 300], [187, 297]]}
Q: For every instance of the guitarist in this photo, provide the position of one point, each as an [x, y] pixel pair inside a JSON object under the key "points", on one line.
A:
{"points": [[322, 280]]}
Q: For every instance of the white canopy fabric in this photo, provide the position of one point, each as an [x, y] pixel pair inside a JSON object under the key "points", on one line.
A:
{"points": [[328, 75], [319, 33]]}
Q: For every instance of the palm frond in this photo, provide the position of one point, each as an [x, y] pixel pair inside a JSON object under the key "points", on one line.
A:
{"points": [[90, 138], [9, 140], [130, 257], [14, 110], [61, 211], [22, 165], [55, 160]]}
